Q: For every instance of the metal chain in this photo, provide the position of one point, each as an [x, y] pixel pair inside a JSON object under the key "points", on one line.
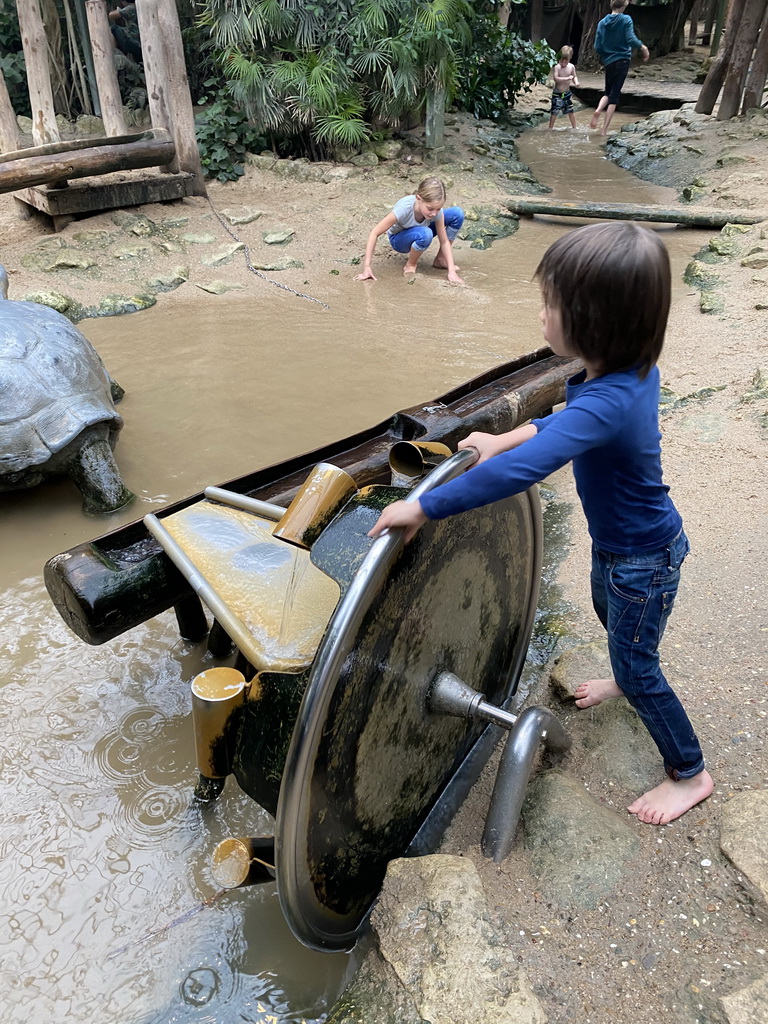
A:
{"points": [[258, 273]]}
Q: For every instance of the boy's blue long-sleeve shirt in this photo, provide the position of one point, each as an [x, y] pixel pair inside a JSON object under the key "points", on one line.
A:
{"points": [[610, 430], [615, 38]]}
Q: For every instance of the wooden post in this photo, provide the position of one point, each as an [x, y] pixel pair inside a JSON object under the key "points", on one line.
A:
{"points": [[713, 83], [9, 129], [753, 90], [741, 56], [155, 70], [179, 99], [435, 122], [103, 51], [693, 28], [33, 41], [722, 6]]}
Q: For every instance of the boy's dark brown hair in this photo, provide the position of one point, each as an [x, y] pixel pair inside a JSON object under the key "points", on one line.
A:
{"points": [[612, 285]]}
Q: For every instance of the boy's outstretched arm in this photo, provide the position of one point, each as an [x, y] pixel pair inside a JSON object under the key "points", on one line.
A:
{"points": [[494, 444]]}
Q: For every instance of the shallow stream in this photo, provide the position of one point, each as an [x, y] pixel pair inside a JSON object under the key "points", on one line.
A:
{"points": [[104, 856]]}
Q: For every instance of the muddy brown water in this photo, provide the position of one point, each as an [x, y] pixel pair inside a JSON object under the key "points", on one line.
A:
{"points": [[105, 880]]}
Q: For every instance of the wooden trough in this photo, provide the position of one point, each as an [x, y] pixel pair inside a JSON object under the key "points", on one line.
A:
{"points": [[692, 217], [42, 172]]}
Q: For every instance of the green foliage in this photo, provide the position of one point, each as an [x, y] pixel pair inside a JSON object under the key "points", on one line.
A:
{"points": [[224, 136], [12, 58], [501, 66], [326, 73]]}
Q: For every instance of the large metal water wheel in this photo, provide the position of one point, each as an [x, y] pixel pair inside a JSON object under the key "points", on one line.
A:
{"points": [[424, 649]]}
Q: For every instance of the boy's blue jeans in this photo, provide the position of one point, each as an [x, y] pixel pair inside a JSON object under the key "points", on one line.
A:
{"points": [[421, 236], [633, 596]]}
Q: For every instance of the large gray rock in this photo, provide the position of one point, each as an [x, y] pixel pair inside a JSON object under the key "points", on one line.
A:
{"points": [[748, 1006], [579, 850], [612, 736], [442, 960], [744, 836]]}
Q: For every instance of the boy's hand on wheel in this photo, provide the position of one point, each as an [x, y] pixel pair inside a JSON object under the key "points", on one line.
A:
{"points": [[404, 514]]}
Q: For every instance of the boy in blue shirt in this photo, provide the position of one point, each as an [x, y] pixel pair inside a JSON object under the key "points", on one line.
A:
{"points": [[591, 281], [614, 40]]}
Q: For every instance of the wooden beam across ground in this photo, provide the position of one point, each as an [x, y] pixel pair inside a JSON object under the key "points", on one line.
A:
{"points": [[688, 216], [62, 161]]}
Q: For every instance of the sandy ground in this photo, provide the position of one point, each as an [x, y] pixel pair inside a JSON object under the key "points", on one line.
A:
{"points": [[687, 929]]}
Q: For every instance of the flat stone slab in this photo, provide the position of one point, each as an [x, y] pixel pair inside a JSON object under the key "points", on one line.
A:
{"points": [[638, 95], [744, 836]]}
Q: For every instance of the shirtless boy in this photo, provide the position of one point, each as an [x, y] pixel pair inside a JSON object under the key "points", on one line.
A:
{"points": [[564, 75]]}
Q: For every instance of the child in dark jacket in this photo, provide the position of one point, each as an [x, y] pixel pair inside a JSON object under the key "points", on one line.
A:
{"points": [[591, 279], [614, 41]]}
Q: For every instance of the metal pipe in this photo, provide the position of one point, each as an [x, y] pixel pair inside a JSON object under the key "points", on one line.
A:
{"points": [[535, 725], [452, 696], [235, 500], [217, 694], [410, 460], [320, 498]]}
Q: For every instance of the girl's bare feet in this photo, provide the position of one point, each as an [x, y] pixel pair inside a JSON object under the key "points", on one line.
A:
{"points": [[672, 799], [595, 691], [440, 263]]}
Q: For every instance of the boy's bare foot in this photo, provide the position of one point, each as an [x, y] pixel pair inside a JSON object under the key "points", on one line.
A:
{"points": [[440, 263], [408, 269], [593, 121], [595, 691], [672, 799]]}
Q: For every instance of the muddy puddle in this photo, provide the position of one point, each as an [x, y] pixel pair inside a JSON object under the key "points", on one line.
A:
{"points": [[109, 906]]}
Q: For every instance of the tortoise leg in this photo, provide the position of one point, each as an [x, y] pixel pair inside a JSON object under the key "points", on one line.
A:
{"points": [[93, 468]]}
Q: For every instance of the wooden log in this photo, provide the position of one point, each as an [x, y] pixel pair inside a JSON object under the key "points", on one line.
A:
{"points": [[33, 41], [70, 145], [691, 217], [103, 50], [179, 99], [109, 585], [9, 129], [156, 69], [713, 83], [758, 72], [23, 172]]}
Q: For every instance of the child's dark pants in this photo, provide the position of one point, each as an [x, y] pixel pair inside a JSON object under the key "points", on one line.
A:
{"points": [[633, 596]]}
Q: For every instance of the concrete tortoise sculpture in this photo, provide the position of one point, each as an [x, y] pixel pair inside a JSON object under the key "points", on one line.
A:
{"points": [[57, 412]]}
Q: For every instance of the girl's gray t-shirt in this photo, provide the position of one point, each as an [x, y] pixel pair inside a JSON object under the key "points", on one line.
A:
{"points": [[403, 210]]}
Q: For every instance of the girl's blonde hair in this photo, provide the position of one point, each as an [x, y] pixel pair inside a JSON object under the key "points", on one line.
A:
{"points": [[431, 190], [566, 52]]}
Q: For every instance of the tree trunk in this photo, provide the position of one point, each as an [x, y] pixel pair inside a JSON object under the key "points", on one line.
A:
{"points": [[753, 90], [56, 62], [674, 36], [110, 103], [537, 19], [503, 14], [722, 8], [713, 83], [9, 128], [33, 41], [741, 56], [709, 22], [591, 12], [693, 28]]}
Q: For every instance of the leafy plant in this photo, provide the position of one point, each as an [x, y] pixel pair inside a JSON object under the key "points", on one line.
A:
{"points": [[327, 73], [12, 58], [501, 65], [224, 136]]}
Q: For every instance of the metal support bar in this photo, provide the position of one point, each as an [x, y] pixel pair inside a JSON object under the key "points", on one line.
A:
{"points": [[451, 696], [535, 725]]}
